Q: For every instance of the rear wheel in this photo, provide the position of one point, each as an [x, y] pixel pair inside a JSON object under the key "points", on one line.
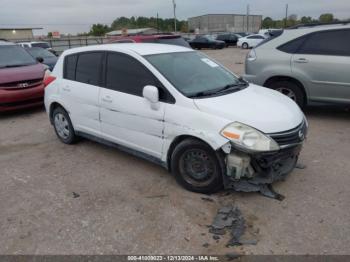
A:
{"points": [[196, 167], [63, 126], [291, 90], [245, 46]]}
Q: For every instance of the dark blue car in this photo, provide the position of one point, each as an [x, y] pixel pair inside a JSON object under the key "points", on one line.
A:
{"points": [[47, 57]]}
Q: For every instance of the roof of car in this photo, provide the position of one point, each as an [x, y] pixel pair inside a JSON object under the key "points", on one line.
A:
{"points": [[32, 42], [290, 34], [2, 43], [139, 48]]}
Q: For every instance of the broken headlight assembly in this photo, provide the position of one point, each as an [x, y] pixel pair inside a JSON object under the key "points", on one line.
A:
{"points": [[248, 138]]}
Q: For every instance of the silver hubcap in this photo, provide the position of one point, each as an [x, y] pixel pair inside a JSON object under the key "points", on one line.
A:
{"points": [[287, 92], [62, 126]]}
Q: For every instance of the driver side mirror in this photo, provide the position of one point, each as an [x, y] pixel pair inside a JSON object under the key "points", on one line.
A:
{"points": [[151, 93], [40, 59]]}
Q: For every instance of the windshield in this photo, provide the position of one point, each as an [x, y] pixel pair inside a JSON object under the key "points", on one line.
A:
{"points": [[42, 45], [40, 52], [14, 56], [195, 75]]}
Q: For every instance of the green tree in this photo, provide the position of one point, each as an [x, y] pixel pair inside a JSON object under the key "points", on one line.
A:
{"points": [[306, 20], [98, 30], [49, 34], [268, 23], [326, 18]]}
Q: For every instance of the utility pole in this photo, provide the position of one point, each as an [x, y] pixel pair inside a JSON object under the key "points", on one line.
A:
{"points": [[248, 11], [174, 5], [157, 23], [285, 21]]}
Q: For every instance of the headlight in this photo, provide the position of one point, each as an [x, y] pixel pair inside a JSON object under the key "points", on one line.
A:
{"points": [[249, 138]]}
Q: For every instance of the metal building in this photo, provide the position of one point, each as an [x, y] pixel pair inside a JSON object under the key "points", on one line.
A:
{"points": [[13, 33], [215, 23]]}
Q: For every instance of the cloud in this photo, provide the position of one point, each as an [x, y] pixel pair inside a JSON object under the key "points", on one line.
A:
{"points": [[72, 16]]}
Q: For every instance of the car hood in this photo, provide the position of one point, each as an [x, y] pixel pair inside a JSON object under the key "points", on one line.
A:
{"points": [[22, 73], [264, 109]]}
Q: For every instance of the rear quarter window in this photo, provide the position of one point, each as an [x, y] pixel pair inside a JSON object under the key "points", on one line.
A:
{"points": [[292, 46]]}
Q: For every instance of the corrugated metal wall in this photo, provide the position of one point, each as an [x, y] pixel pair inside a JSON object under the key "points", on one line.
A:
{"points": [[225, 23]]}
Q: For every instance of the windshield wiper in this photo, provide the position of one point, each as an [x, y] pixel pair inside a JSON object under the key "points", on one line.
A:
{"points": [[203, 94], [230, 87], [233, 87]]}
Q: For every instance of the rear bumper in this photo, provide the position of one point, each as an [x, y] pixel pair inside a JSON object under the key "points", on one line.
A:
{"points": [[11, 100]]}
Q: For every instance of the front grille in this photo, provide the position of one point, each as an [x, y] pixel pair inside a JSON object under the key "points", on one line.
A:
{"points": [[290, 137], [22, 84]]}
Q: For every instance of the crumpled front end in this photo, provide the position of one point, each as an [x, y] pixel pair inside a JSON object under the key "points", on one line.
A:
{"points": [[255, 172]]}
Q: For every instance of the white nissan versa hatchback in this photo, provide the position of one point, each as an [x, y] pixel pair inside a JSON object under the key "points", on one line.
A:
{"points": [[178, 108]]}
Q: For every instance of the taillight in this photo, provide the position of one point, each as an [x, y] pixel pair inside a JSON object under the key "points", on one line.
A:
{"points": [[48, 79]]}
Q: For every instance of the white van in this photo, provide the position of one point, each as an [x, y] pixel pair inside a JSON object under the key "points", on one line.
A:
{"points": [[179, 108]]}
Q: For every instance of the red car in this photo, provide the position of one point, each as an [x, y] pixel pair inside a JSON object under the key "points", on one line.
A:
{"points": [[159, 39], [21, 78]]}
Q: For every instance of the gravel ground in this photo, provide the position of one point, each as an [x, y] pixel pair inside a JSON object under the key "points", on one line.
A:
{"points": [[92, 199]]}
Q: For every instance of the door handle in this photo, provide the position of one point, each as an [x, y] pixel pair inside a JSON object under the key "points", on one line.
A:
{"points": [[107, 99], [301, 60]]}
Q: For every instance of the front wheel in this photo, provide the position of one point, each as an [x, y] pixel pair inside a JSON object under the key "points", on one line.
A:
{"points": [[197, 167], [245, 46]]}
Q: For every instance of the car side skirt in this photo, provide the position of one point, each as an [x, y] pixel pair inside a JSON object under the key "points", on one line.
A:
{"points": [[125, 149]]}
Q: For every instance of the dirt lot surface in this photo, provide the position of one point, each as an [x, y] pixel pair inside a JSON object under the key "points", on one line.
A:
{"points": [[92, 199]]}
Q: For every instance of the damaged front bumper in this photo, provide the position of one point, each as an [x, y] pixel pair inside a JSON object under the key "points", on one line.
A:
{"points": [[254, 172]]}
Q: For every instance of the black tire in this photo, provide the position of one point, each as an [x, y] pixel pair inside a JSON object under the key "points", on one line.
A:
{"points": [[63, 126], [193, 154], [245, 46], [295, 91]]}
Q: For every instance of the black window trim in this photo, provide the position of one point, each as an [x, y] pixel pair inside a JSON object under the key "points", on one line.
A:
{"points": [[306, 37], [100, 78], [169, 97]]}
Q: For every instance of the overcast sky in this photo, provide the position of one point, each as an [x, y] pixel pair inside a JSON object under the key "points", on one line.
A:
{"points": [[72, 16]]}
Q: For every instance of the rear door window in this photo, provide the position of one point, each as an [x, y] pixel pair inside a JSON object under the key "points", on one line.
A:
{"points": [[70, 65], [89, 67], [330, 42]]}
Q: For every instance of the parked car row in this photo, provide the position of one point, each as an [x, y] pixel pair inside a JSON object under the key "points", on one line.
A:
{"points": [[220, 41]]}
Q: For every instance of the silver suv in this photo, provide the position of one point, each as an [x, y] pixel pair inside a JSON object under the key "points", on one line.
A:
{"points": [[307, 63]]}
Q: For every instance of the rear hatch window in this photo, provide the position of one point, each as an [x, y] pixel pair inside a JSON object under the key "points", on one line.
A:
{"points": [[42, 45]]}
